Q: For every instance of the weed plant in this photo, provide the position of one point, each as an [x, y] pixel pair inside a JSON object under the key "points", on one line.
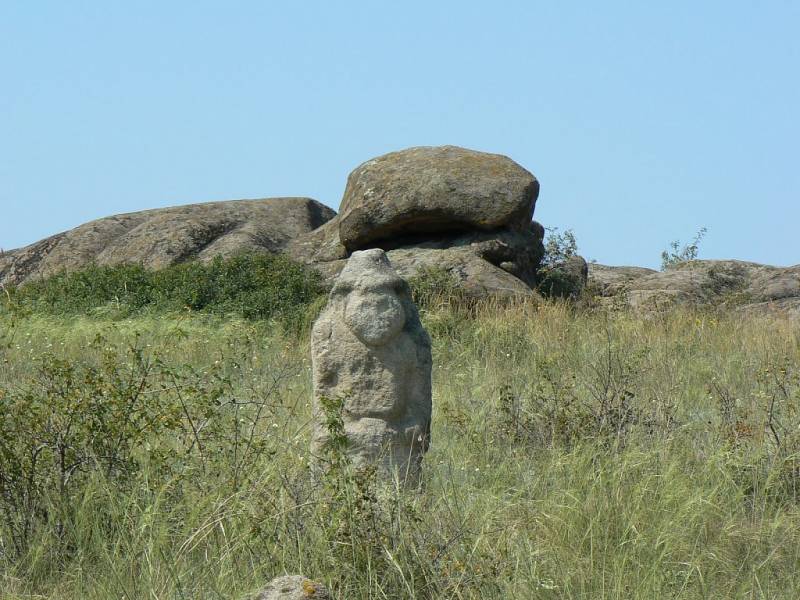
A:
{"points": [[677, 254]]}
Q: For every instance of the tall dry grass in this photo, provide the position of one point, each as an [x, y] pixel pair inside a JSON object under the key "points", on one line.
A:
{"points": [[575, 454]]}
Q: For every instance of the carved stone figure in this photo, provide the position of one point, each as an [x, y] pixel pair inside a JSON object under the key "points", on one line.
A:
{"points": [[369, 349]]}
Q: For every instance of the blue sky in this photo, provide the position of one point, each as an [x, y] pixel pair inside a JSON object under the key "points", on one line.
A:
{"points": [[643, 121]]}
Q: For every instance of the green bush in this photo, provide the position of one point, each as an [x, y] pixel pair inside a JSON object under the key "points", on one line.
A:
{"points": [[676, 254], [558, 247], [74, 421], [254, 286], [559, 282], [554, 278]]}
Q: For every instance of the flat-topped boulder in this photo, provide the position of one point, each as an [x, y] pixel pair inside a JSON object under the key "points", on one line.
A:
{"points": [[428, 190], [161, 237]]}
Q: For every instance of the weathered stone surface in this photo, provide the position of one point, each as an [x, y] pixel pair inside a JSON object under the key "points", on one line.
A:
{"points": [[434, 189], [783, 307], [606, 281], [746, 286], [161, 237], [319, 246], [565, 279], [502, 262], [369, 348], [293, 587]]}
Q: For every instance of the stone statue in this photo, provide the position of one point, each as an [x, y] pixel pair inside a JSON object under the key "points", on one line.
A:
{"points": [[369, 349]]}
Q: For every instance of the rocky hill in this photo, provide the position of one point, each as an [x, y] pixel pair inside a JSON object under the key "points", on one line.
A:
{"points": [[467, 212], [161, 237], [744, 286]]}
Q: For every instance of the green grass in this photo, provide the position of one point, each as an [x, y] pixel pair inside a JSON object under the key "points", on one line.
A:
{"points": [[575, 454]]}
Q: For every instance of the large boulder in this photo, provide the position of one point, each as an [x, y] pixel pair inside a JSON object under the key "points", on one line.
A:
{"points": [[162, 237], [432, 190], [370, 351]]}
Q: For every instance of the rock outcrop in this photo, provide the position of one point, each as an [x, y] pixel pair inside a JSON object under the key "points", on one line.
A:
{"points": [[466, 212], [293, 587], [370, 350], [460, 210], [446, 207], [432, 190], [162, 237], [745, 286]]}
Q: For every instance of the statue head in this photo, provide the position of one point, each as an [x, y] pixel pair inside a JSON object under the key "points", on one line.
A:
{"points": [[374, 297]]}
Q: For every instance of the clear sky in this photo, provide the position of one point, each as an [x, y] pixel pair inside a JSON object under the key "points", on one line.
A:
{"points": [[643, 121]]}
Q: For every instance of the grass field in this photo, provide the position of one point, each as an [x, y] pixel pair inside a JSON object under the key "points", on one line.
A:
{"points": [[575, 454]]}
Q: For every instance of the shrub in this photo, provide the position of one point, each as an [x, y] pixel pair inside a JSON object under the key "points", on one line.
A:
{"points": [[125, 420], [558, 247], [557, 276], [74, 420], [561, 281], [555, 409], [254, 286], [677, 254], [80, 291], [763, 432]]}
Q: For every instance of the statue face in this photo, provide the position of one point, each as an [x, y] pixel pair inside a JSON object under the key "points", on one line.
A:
{"points": [[374, 316]]}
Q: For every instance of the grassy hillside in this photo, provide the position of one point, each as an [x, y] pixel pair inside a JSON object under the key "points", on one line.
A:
{"points": [[575, 454]]}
